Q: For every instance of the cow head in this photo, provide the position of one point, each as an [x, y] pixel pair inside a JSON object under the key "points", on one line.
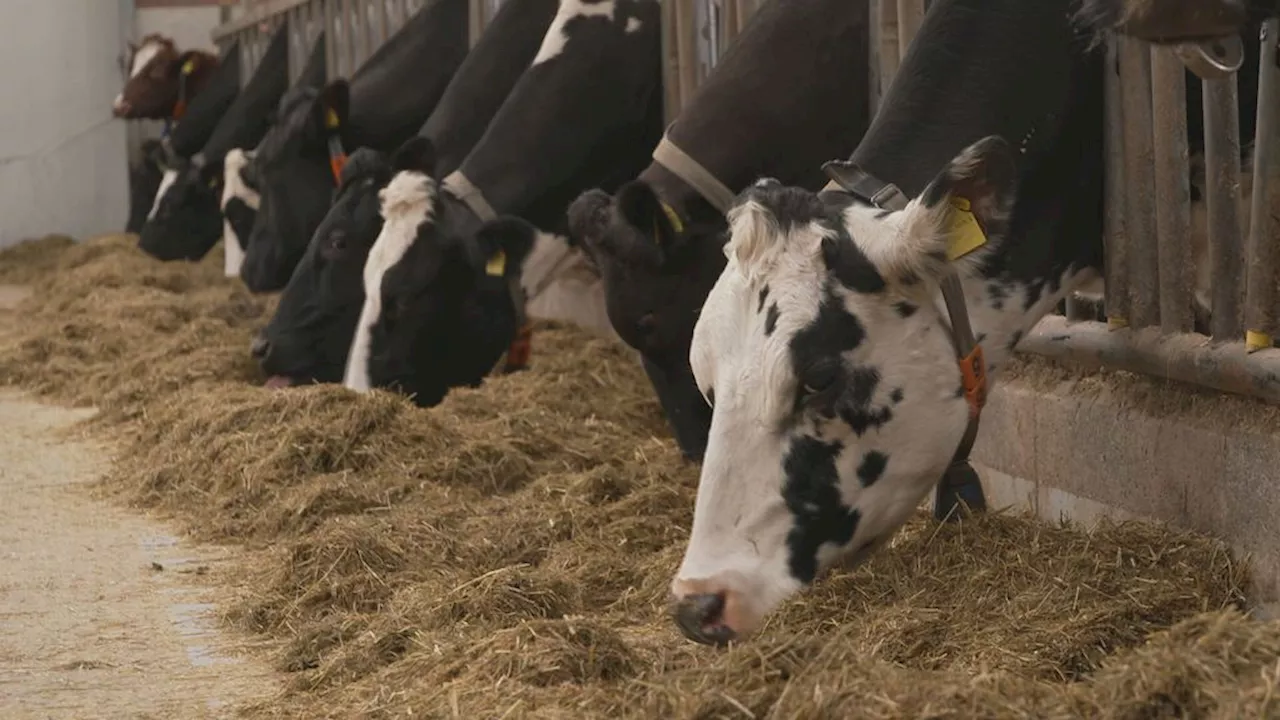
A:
{"points": [[1171, 21], [657, 270], [186, 222], [155, 76], [833, 382], [295, 181], [308, 337], [438, 309]]}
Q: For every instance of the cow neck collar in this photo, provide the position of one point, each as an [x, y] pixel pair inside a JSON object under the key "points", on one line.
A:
{"points": [[179, 105], [849, 178], [333, 137], [680, 164]]}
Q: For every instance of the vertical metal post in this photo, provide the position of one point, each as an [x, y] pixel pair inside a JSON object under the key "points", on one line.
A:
{"points": [[1222, 198], [1173, 200], [475, 20], [1140, 235], [351, 55], [888, 49], [1260, 298], [384, 27], [1116, 287], [910, 17], [334, 67], [670, 61], [687, 42]]}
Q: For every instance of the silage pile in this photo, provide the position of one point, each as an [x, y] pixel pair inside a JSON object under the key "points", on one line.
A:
{"points": [[508, 553]]}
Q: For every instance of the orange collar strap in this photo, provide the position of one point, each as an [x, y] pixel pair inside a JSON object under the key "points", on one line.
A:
{"points": [[520, 350]]}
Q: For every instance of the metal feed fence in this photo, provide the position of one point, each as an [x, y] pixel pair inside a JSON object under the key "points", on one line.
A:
{"points": [[1148, 284], [357, 28]]}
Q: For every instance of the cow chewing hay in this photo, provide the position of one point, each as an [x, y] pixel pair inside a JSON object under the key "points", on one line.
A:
{"points": [[508, 552]]}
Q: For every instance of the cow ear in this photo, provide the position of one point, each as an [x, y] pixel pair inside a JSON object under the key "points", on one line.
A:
{"points": [[417, 154], [656, 221], [503, 245], [964, 209], [335, 100]]}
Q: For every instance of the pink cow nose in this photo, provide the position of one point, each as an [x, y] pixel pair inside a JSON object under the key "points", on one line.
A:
{"points": [[120, 108]]}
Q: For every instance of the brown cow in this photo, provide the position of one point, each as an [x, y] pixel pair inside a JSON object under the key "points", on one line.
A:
{"points": [[1174, 21], [161, 80]]}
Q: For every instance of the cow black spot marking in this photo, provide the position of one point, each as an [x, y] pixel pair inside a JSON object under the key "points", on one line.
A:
{"points": [[812, 494], [764, 295], [896, 395], [834, 331], [855, 406], [849, 265], [905, 309], [771, 319], [872, 467]]}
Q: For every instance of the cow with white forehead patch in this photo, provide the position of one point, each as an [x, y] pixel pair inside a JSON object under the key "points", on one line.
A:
{"points": [[467, 257], [833, 349], [239, 206], [161, 81], [387, 99], [308, 337]]}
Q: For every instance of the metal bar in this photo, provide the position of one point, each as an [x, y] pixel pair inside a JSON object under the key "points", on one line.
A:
{"points": [[253, 14], [687, 42], [1222, 198], [1260, 297], [729, 24], [910, 17], [1173, 199], [348, 38], [333, 68], [1116, 282], [475, 20], [888, 48], [1183, 357], [1144, 259], [384, 24], [670, 61]]}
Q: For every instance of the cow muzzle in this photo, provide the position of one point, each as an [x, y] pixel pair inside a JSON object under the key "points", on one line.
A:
{"points": [[712, 612]]}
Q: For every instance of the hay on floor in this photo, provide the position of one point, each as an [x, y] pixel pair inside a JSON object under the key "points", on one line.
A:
{"points": [[507, 554]]}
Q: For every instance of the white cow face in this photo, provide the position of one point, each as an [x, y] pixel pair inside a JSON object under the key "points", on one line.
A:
{"points": [[836, 393]]}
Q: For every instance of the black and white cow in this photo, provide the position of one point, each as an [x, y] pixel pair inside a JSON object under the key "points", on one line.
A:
{"points": [[384, 104], [825, 348], [199, 118], [1174, 21], [308, 337], [742, 123], [450, 274], [187, 220]]}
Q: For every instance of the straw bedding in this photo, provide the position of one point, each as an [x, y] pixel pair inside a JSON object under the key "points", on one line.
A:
{"points": [[507, 554]]}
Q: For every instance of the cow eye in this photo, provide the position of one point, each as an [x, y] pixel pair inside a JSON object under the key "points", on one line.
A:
{"points": [[337, 242], [820, 376]]}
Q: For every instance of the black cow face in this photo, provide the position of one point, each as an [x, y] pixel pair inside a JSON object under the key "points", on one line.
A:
{"points": [[656, 276], [295, 180], [187, 222], [308, 338], [438, 311]]}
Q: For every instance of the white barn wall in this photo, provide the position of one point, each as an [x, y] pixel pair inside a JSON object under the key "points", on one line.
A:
{"points": [[62, 155]]}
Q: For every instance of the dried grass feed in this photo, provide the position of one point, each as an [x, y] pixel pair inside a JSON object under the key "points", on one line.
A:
{"points": [[507, 554]]}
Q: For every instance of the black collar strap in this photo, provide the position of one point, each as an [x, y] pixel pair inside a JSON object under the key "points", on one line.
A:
{"points": [[517, 356], [854, 180]]}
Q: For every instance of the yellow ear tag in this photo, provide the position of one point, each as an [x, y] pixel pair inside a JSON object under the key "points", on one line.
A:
{"points": [[965, 233], [189, 66], [673, 218], [330, 118], [497, 265]]}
